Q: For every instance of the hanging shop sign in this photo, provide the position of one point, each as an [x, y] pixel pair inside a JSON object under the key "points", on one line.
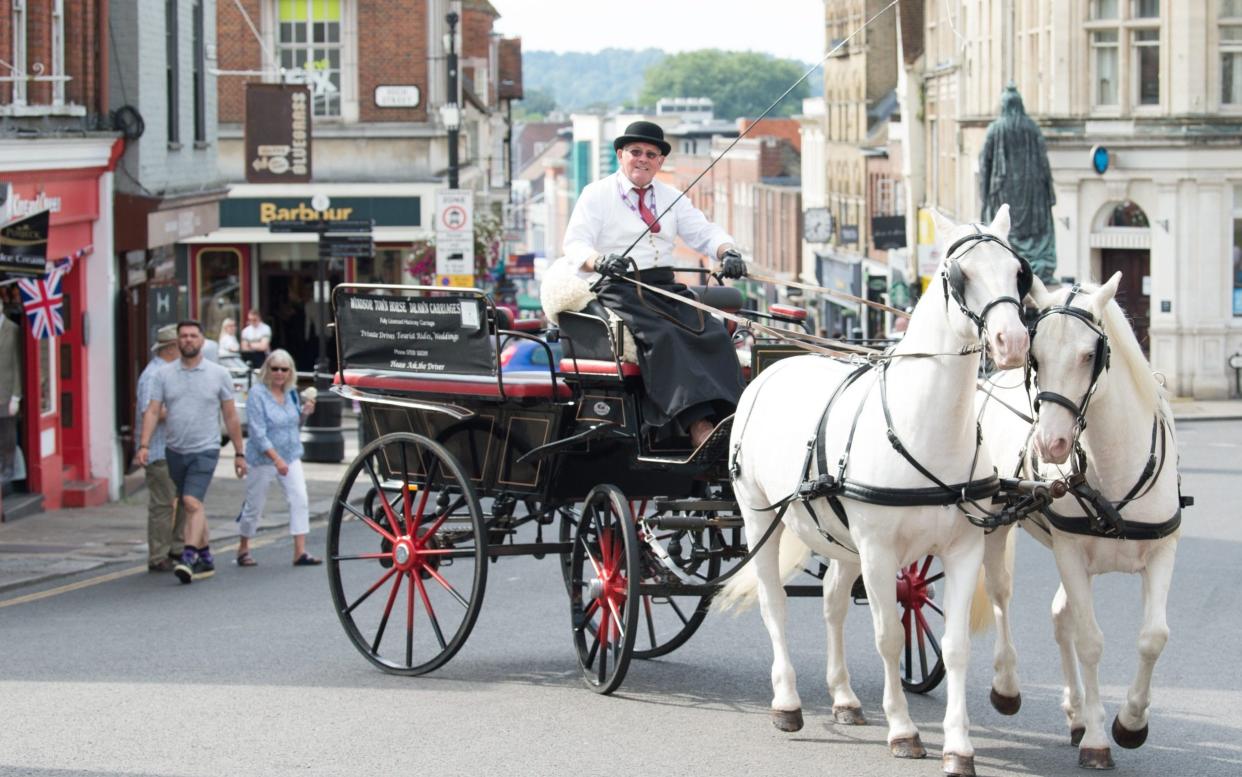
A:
{"points": [[888, 232], [278, 133], [23, 245]]}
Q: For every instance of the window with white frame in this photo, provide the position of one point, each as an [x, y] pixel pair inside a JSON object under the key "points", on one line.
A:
{"points": [[20, 73], [309, 40], [1230, 19], [1124, 37]]}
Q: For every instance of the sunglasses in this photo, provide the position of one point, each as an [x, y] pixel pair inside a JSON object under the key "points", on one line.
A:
{"points": [[278, 369], [638, 153]]}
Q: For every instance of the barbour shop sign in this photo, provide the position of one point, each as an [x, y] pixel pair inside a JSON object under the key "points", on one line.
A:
{"points": [[262, 211]]}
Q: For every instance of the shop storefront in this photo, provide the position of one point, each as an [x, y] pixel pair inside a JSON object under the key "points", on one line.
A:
{"points": [[64, 448], [245, 265], [839, 318]]}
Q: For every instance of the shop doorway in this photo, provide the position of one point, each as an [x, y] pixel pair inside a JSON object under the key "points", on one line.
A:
{"points": [[1132, 294], [289, 302]]}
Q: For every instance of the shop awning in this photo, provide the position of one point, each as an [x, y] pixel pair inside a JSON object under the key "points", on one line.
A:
{"points": [[244, 235]]}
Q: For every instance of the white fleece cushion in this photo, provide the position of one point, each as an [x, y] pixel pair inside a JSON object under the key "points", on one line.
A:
{"points": [[563, 289]]}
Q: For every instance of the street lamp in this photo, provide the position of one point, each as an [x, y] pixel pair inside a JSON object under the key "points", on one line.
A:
{"points": [[450, 113]]}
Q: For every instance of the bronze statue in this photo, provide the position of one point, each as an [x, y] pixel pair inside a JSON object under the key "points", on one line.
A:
{"points": [[1013, 168]]}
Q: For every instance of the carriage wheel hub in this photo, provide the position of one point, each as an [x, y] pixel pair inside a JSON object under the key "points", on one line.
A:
{"points": [[403, 553]]}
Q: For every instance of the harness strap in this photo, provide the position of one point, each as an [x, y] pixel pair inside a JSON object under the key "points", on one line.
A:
{"points": [[1126, 530]]}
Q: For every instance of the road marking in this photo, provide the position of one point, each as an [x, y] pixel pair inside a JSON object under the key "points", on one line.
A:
{"points": [[109, 577]]}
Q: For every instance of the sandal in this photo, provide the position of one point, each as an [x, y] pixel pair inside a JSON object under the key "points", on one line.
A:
{"points": [[246, 560], [307, 560]]}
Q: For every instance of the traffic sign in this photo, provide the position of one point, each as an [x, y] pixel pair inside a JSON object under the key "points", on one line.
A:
{"points": [[454, 232]]}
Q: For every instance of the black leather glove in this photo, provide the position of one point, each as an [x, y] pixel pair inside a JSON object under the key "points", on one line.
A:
{"points": [[732, 265], [612, 265]]}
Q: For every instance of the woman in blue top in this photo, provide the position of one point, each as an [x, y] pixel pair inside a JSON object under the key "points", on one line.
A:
{"points": [[274, 450]]}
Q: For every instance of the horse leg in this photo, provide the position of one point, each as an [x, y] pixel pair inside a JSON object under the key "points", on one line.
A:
{"points": [[1130, 725], [879, 569], [1093, 752], [961, 570], [1006, 694], [1071, 693], [786, 706], [846, 708]]}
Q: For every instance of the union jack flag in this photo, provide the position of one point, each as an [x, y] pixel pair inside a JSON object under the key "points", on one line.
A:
{"points": [[43, 301]]}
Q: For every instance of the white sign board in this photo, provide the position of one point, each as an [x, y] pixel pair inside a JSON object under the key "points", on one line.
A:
{"points": [[454, 232], [391, 96]]}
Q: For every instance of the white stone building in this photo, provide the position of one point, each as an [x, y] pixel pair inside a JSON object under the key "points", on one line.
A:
{"points": [[1158, 83]]}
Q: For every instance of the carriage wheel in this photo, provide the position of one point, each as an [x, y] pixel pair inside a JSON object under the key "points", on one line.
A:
{"points": [[922, 666], [603, 596], [407, 554], [666, 622]]}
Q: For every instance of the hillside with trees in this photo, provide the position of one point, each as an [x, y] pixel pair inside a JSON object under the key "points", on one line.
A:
{"points": [[740, 83]]}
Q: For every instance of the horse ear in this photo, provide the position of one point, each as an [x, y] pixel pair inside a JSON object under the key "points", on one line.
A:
{"points": [[1107, 291], [1039, 293], [944, 225], [1000, 224]]}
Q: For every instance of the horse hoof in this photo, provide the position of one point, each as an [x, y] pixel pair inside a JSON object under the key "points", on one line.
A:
{"points": [[1127, 738], [908, 747], [790, 720], [1006, 705], [848, 716], [1096, 758], [959, 765], [1076, 735]]}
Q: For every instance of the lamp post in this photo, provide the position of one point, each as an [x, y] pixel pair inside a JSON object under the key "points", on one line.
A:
{"points": [[450, 112]]}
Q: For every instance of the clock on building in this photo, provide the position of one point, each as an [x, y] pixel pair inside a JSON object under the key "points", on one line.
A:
{"points": [[817, 226]]}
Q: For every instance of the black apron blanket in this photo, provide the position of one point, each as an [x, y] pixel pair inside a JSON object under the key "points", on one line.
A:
{"points": [[690, 369]]}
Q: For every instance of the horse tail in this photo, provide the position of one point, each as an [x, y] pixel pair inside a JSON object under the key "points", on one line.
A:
{"points": [[742, 591]]}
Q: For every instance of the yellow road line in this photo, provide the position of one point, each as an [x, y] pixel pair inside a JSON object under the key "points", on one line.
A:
{"points": [[101, 579]]}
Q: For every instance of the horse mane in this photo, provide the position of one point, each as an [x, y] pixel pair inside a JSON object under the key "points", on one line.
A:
{"points": [[1127, 352]]}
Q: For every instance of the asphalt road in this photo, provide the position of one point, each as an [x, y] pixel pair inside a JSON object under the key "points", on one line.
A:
{"points": [[251, 673]]}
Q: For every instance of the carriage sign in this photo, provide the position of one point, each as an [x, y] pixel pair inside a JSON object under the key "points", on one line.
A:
{"points": [[436, 335]]}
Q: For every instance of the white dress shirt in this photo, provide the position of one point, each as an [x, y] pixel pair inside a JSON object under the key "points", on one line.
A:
{"points": [[606, 220]]}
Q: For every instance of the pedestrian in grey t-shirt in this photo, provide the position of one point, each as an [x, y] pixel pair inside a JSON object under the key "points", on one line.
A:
{"points": [[195, 391]]}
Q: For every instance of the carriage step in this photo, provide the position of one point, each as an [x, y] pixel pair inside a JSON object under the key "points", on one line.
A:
{"points": [[696, 506], [711, 451]]}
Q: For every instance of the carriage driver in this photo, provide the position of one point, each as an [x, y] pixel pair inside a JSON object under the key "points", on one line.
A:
{"points": [[689, 366]]}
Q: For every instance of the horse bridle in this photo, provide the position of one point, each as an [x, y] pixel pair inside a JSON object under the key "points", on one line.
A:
{"points": [[954, 280], [1100, 360]]}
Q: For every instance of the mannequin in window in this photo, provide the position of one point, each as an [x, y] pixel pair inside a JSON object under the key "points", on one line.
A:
{"points": [[10, 393]]}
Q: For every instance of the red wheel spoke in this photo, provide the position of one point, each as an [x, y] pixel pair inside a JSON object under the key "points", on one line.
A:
{"points": [[650, 620], [409, 624], [363, 557], [929, 580], [603, 652], [392, 597], [930, 636], [431, 613], [435, 527], [380, 530], [616, 617], [418, 514], [405, 491], [371, 590], [599, 572], [447, 586], [589, 611], [379, 494], [927, 562], [932, 605], [590, 659], [922, 654]]}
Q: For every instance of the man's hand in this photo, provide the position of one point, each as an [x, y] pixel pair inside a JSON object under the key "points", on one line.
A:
{"points": [[732, 265], [612, 265], [239, 466]]}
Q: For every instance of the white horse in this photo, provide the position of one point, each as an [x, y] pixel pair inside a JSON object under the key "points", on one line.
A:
{"points": [[924, 401], [1096, 389]]}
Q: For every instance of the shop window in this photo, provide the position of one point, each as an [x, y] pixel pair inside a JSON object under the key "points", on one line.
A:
{"points": [[387, 266], [1147, 66], [1231, 52], [1237, 250], [219, 289], [171, 71], [309, 40], [200, 71]]}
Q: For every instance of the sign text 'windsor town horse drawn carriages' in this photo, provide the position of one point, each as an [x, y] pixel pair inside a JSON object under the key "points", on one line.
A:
{"points": [[466, 463]]}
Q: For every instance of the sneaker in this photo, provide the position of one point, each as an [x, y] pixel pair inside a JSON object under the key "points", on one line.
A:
{"points": [[163, 565], [184, 571], [203, 567]]}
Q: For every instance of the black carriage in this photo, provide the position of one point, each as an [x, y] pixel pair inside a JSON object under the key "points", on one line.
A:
{"points": [[464, 463]]}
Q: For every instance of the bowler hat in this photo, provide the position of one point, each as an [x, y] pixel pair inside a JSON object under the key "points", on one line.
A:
{"points": [[166, 335], [643, 132]]}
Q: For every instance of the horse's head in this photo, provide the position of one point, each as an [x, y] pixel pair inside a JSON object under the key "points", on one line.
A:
{"points": [[1069, 361], [987, 280]]}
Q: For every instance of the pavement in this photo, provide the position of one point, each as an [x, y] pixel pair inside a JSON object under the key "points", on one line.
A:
{"points": [[41, 548]]}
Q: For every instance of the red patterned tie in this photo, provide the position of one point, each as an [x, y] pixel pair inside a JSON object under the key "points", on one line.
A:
{"points": [[645, 212]]}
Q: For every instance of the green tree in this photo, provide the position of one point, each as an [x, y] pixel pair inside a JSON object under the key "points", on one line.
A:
{"points": [[740, 83], [534, 106]]}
